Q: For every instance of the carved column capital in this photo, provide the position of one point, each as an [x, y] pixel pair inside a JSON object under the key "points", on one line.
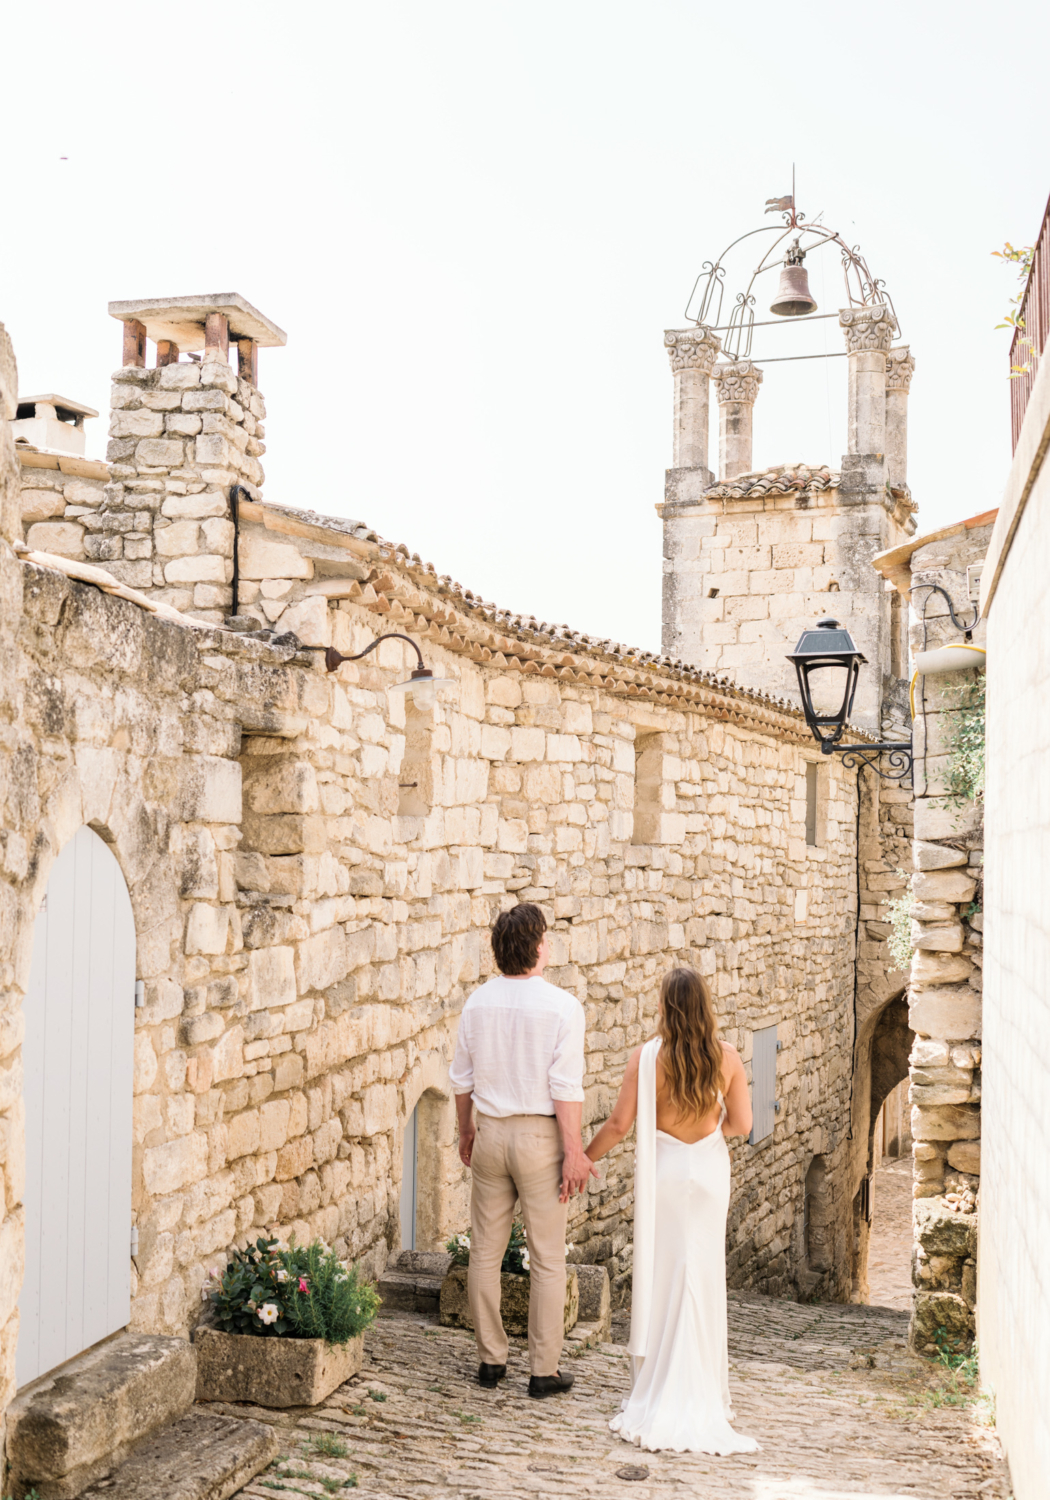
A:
{"points": [[867, 328], [737, 382], [692, 349], [900, 367]]}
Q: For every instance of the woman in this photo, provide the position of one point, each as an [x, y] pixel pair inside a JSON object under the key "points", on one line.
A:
{"points": [[688, 1092]]}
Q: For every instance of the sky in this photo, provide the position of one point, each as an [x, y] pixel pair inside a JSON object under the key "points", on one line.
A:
{"points": [[475, 220]]}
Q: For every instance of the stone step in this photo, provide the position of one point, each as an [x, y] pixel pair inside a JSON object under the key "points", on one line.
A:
{"points": [[413, 1282], [200, 1457], [75, 1424]]}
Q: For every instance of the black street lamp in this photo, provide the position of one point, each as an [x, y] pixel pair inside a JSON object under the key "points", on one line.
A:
{"points": [[827, 664]]}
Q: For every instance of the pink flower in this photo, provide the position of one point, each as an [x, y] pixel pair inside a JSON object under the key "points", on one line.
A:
{"points": [[303, 1286]]}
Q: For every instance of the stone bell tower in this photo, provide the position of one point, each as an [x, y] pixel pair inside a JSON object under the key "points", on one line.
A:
{"points": [[751, 559]]}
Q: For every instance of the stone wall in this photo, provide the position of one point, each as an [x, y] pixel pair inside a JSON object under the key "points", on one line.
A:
{"points": [[309, 926], [947, 923]]}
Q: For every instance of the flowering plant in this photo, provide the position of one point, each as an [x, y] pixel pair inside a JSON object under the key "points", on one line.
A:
{"points": [[301, 1291], [515, 1257]]}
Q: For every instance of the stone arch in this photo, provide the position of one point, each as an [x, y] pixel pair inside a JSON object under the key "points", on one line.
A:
{"points": [[883, 1048], [442, 1193]]}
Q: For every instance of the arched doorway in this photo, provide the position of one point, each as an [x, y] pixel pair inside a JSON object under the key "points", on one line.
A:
{"points": [[78, 1062], [883, 1207]]}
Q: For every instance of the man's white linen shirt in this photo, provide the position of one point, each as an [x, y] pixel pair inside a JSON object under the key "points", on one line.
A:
{"points": [[520, 1047]]}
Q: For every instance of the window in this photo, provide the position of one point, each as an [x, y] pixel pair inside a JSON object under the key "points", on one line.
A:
{"points": [[764, 1104]]}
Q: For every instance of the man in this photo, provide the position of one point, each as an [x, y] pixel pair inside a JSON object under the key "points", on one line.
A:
{"points": [[519, 1059]]}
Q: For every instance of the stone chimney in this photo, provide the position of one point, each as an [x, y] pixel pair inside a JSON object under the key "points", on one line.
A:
{"points": [[54, 424], [182, 434]]}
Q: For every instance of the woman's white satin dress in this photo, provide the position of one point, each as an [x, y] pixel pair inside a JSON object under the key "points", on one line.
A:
{"points": [[679, 1397]]}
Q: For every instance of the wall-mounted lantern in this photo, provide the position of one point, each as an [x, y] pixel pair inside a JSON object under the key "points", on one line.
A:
{"points": [[827, 664], [421, 686]]}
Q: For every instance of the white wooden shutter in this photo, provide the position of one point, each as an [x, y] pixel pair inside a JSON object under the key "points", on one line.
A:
{"points": [[409, 1168], [763, 1083], [78, 1060]]}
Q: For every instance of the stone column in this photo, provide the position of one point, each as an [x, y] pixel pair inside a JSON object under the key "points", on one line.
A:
{"points": [[900, 367], [869, 331], [736, 386], [693, 352]]}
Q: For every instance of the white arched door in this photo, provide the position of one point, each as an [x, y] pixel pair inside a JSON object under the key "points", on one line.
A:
{"points": [[78, 1060]]}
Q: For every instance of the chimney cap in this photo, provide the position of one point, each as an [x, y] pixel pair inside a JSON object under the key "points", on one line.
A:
{"points": [[50, 399], [182, 319]]}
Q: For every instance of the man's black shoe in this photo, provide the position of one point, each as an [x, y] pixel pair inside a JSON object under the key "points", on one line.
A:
{"points": [[490, 1375], [549, 1385]]}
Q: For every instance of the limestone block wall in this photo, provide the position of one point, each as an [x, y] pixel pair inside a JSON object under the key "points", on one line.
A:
{"points": [[61, 500], [944, 990], [752, 562]]}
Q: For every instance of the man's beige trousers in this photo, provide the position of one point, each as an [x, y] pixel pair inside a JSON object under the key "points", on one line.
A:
{"points": [[518, 1157]]}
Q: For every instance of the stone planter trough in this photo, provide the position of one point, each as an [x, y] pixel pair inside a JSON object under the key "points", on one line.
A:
{"points": [[514, 1301], [272, 1371]]}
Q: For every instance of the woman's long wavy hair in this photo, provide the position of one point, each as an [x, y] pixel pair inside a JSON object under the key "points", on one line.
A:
{"points": [[691, 1055]]}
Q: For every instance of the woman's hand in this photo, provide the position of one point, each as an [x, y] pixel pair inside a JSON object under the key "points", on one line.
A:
{"points": [[623, 1115], [738, 1118]]}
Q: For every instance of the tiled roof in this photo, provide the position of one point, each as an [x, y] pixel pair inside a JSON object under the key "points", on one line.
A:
{"points": [[403, 588], [783, 479]]}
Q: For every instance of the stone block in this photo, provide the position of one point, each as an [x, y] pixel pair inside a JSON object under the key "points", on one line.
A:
{"points": [[198, 569], [940, 968], [514, 1301], [174, 1165], [160, 453], [310, 620], [180, 377], [936, 1311], [70, 1428], [936, 856], [41, 505], [202, 1456], [943, 885], [180, 539], [965, 1156], [945, 1122], [64, 538], [207, 928], [211, 790], [272, 1372], [595, 1297], [260, 556], [944, 937], [271, 977], [941, 818], [954, 1014], [139, 424], [194, 507]]}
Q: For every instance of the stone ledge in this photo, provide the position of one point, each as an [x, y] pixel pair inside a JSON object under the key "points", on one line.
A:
{"points": [[68, 1429], [200, 1457]]}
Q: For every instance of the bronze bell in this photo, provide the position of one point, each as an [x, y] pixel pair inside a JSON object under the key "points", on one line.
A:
{"points": [[793, 298]]}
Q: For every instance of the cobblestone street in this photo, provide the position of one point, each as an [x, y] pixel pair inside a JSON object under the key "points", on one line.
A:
{"points": [[839, 1408], [889, 1251]]}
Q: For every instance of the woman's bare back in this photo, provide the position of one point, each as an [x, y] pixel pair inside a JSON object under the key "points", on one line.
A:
{"points": [[692, 1127]]}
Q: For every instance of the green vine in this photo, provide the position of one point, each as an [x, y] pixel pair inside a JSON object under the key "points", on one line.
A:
{"points": [[1022, 258], [899, 941], [965, 773]]}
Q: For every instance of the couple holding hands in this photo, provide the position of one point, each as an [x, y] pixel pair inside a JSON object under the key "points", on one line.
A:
{"points": [[518, 1079]]}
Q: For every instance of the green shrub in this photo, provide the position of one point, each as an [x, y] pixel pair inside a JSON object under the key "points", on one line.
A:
{"points": [[304, 1292], [899, 941], [966, 742], [515, 1257]]}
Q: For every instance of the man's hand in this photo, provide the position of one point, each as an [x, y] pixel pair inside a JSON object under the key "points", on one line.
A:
{"points": [[576, 1168], [465, 1117]]}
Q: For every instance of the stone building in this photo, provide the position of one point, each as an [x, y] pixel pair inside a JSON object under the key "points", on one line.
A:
{"points": [[947, 922], [307, 864]]}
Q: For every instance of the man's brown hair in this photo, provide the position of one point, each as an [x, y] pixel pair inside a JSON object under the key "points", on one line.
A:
{"points": [[516, 938]]}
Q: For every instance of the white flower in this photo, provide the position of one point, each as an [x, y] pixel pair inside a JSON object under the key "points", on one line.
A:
{"points": [[463, 1241], [204, 1294], [524, 1260], [268, 1313], [282, 1274]]}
